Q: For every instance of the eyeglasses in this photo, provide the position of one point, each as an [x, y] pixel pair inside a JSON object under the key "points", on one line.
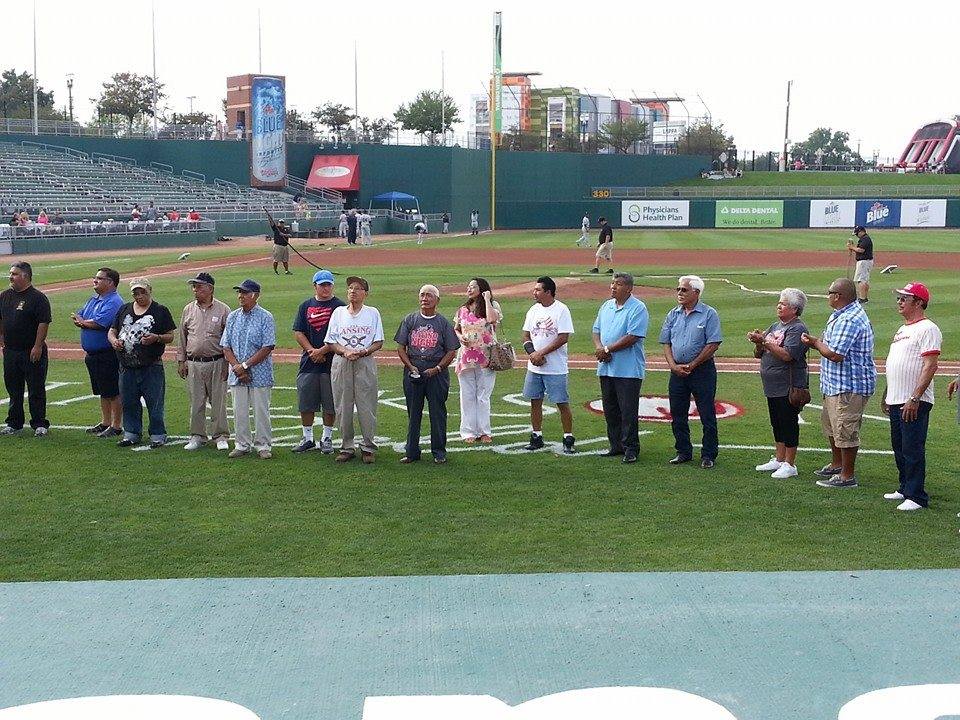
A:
{"points": [[684, 290], [903, 298], [833, 292]]}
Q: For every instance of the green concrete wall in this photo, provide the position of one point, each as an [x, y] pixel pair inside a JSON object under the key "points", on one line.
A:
{"points": [[27, 246]]}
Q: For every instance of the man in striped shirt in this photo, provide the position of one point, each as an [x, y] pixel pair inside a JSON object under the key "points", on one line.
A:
{"points": [[848, 377], [908, 398]]}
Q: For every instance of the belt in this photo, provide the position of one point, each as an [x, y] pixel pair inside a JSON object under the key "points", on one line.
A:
{"points": [[205, 359]]}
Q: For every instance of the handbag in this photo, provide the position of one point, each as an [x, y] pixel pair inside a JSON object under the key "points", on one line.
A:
{"points": [[500, 356], [798, 397]]}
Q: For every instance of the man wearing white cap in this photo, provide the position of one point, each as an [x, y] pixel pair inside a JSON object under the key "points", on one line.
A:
{"points": [[427, 346], [911, 364]]}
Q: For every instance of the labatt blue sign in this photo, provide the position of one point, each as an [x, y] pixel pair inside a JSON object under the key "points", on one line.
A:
{"points": [[878, 213]]}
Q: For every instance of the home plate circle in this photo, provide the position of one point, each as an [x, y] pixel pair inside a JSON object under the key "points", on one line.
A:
{"points": [[128, 707], [656, 408]]}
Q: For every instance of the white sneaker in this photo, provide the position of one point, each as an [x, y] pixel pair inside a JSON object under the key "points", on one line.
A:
{"points": [[909, 505], [41, 432], [895, 495], [222, 444], [194, 444], [771, 464], [786, 470]]}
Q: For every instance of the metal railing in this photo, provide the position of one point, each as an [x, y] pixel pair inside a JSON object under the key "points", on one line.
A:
{"points": [[724, 190], [84, 229], [57, 149], [299, 185]]}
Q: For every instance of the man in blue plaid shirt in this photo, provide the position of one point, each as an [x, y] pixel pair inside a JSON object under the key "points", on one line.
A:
{"points": [[848, 377]]}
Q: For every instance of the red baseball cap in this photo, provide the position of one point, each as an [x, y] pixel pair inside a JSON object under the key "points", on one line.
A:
{"points": [[918, 290]]}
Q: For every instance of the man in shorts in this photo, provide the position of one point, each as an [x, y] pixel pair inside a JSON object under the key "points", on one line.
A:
{"points": [[848, 377], [313, 378], [546, 330], [281, 246], [604, 247], [863, 252]]}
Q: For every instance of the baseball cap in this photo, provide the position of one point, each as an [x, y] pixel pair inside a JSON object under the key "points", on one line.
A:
{"points": [[859, 228], [203, 277], [140, 282], [917, 290], [432, 289], [322, 276], [248, 285], [356, 278]]}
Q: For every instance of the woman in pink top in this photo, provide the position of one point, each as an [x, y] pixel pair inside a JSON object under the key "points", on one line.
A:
{"points": [[42, 218], [476, 326]]}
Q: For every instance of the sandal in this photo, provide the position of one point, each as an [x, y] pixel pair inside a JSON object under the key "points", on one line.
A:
{"points": [[470, 440], [486, 439]]}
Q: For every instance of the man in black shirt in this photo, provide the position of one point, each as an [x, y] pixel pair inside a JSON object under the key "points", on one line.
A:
{"points": [[863, 252], [24, 321], [352, 227], [604, 247], [281, 246]]}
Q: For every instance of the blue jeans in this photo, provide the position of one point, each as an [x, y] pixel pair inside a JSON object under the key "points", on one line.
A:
{"points": [[150, 384], [909, 441], [702, 385]]}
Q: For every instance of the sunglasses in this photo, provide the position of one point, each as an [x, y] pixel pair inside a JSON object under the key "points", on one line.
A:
{"points": [[904, 298], [684, 290]]}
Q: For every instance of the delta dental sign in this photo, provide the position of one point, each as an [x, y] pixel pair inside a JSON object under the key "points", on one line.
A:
{"points": [[749, 213], [662, 213]]}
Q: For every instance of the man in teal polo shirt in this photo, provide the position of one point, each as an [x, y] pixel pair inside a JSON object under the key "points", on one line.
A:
{"points": [[690, 336], [618, 334]]}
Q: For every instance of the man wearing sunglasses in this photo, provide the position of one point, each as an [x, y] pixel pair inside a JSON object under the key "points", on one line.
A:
{"points": [[848, 377], [908, 397]]}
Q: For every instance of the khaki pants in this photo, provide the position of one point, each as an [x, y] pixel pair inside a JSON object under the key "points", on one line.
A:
{"points": [[206, 382], [355, 386], [244, 397]]}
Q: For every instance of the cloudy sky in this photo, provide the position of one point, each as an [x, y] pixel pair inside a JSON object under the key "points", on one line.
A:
{"points": [[875, 69]]}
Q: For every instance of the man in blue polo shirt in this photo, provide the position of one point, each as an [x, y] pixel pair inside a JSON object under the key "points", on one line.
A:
{"points": [[690, 336], [94, 320], [618, 334]]}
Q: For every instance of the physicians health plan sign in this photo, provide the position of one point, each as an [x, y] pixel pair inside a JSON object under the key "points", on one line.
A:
{"points": [[833, 213], [268, 147], [655, 213], [749, 214], [923, 213]]}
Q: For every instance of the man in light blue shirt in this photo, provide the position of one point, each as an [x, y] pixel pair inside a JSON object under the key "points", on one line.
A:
{"points": [[690, 336], [618, 334]]}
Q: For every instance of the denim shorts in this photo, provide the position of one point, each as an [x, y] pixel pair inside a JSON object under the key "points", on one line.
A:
{"points": [[536, 384]]}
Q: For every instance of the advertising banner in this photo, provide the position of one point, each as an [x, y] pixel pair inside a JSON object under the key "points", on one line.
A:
{"points": [[878, 213], [833, 213], [268, 147], [749, 213], [655, 213], [923, 213], [335, 172]]}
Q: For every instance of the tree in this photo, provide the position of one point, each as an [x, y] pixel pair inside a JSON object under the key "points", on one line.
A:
{"points": [[16, 97], [430, 114], [129, 95], [703, 138], [334, 116], [826, 147], [622, 134], [299, 124], [195, 118], [375, 130]]}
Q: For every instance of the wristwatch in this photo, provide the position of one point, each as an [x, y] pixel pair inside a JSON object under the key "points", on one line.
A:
{"points": [[606, 349], [914, 400]]}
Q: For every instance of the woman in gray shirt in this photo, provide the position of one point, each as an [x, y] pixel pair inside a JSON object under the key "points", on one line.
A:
{"points": [[783, 364]]}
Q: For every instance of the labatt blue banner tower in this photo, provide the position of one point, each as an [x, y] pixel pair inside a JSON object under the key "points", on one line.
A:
{"points": [[268, 146]]}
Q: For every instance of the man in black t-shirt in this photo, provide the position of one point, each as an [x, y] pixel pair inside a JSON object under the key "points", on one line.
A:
{"points": [[314, 391], [281, 246], [863, 252], [140, 333], [24, 321], [604, 247], [352, 227]]}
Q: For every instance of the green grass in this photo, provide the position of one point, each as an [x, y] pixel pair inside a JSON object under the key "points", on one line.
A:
{"points": [[810, 177]]}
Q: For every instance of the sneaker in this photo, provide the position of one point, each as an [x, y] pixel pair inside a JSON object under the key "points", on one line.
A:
{"points": [[609, 271], [367, 457], [222, 444], [536, 442], [769, 466], [326, 446], [345, 456], [909, 505], [194, 444], [238, 452], [157, 444], [895, 495], [827, 471], [265, 454], [786, 470], [595, 270], [110, 432], [7, 430], [41, 432], [304, 446], [96, 429], [568, 448], [838, 482], [128, 442]]}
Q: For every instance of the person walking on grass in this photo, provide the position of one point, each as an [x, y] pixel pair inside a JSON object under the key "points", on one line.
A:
{"points": [[546, 330], [94, 320], [427, 345], [140, 333], [248, 342], [848, 377], [475, 222], [24, 321], [583, 240], [604, 247]]}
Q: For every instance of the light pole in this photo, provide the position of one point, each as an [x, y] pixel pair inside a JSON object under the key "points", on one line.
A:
{"points": [[191, 98], [786, 131], [70, 95]]}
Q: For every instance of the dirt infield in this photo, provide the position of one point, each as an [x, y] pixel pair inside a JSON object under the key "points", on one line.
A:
{"points": [[570, 288]]}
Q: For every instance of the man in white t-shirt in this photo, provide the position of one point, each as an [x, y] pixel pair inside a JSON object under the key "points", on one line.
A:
{"points": [[911, 364], [355, 333], [546, 330], [364, 218], [584, 229]]}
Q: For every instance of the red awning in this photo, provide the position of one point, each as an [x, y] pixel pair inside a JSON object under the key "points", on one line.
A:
{"points": [[335, 172]]}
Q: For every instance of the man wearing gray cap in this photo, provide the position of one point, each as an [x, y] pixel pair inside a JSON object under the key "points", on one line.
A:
{"points": [[201, 363], [427, 346], [248, 341]]}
